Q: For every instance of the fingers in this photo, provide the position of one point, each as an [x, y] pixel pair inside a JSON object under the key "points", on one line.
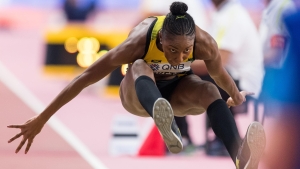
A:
{"points": [[245, 93], [230, 103], [30, 140], [15, 137], [250, 93], [20, 145], [15, 126], [28, 145]]}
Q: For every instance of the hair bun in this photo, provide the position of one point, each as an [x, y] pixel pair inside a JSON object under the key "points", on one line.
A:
{"points": [[178, 8]]}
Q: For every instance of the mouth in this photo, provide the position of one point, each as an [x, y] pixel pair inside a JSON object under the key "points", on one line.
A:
{"points": [[174, 64]]}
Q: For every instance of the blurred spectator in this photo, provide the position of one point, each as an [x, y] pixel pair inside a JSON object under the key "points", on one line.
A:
{"points": [[284, 150], [240, 50], [197, 11], [77, 10], [278, 97], [274, 39]]}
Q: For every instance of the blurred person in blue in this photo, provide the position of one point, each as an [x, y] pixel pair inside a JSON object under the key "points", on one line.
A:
{"points": [[78, 10], [239, 46], [199, 14], [159, 83], [274, 39], [284, 148]]}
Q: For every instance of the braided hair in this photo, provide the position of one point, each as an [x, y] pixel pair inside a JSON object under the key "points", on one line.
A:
{"points": [[178, 21]]}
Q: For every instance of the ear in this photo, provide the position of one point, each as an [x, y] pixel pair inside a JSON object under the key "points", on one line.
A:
{"points": [[160, 34]]}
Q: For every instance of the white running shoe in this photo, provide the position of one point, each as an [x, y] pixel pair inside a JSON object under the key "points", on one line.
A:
{"points": [[252, 147], [164, 119]]}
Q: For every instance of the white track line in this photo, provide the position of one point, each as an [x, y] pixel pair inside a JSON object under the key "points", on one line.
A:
{"points": [[37, 106]]}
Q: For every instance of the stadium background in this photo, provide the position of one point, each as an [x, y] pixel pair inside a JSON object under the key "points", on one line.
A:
{"points": [[80, 134]]}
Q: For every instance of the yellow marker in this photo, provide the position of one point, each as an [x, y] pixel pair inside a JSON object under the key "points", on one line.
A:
{"points": [[88, 48], [124, 69], [71, 45]]}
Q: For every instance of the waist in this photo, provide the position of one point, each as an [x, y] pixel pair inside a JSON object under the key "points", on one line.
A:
{"points": [[171, 76], [167, 69], [163, 77]]}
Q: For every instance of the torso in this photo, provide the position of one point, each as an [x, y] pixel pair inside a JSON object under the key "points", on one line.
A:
{"points": [[202, 51], [155, 57]]}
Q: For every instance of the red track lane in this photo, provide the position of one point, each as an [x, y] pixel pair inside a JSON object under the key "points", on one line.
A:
{"points": [[49, 150]]}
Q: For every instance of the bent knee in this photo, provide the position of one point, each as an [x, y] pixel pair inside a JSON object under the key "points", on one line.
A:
{"points": [[140, 68], [210, 90], [139, 63]]}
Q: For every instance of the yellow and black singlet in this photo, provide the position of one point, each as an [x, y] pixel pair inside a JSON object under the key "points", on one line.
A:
{"points": [[156, 59]]}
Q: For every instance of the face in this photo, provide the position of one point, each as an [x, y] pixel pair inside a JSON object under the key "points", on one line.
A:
{"points": [[177, 48]]}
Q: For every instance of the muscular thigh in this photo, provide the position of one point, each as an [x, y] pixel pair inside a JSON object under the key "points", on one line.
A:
{"points": [[128, 95], [193, 95]]}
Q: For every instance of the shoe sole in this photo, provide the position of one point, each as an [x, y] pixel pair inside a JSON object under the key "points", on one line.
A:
{"points": [[256, 141], [163, 117]]}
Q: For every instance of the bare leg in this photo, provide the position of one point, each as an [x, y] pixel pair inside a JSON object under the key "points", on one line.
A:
{"points": [[194, 96], [139, 81]]}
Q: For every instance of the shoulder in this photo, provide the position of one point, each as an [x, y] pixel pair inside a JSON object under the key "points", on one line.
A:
{"points": [[206, 47], [138, 35]]}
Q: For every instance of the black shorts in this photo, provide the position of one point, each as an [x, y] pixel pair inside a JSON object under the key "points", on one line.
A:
{"points": [[166, 87]]}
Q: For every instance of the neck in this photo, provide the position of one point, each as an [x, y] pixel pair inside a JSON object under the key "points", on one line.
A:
{"points": [[158, 40]]}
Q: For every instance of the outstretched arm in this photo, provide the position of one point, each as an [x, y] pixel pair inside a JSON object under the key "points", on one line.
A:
{"points": [[34, 125], [127, 52], [122, 54]]}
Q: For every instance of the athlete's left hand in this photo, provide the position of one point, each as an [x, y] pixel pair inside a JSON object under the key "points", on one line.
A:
{"points": [[230, 102]]}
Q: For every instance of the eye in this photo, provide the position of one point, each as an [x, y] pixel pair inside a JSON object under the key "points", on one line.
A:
{"points": [[172, 50], [187, 50]]}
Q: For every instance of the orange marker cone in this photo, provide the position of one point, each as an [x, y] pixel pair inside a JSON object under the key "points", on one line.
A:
{"points": [[153, 145]]}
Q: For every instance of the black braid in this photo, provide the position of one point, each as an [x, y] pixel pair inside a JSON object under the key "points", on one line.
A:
{"points": [[178, 21]]}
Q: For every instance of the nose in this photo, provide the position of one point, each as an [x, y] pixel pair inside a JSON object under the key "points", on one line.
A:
{"points": [[177, 59], [180, 58]]}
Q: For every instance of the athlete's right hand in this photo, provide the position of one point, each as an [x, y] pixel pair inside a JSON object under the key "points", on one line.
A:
{"points": [[230, 102], [28, 130]]}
